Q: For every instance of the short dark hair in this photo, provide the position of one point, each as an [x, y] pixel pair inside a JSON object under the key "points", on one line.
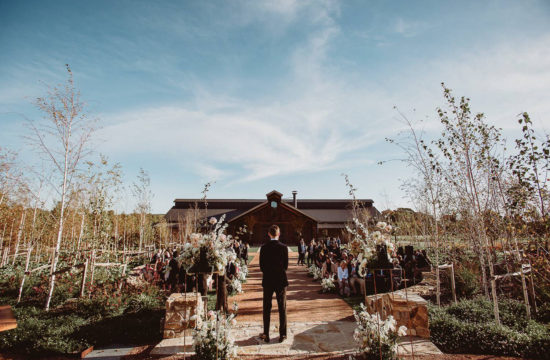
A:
{"points": [[273, 230]]}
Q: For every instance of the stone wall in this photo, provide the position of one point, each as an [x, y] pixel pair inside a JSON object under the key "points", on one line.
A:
{"points": [[179, 310], [407, 309]]}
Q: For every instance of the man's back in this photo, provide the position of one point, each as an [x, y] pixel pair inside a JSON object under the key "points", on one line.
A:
{"points": [[274, 263]]}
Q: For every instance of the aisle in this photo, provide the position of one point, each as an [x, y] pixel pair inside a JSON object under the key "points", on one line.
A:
{"points": [[305, 303]]}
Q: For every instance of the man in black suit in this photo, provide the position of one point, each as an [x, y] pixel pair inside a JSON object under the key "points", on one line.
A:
{"points": [[274, 263]]}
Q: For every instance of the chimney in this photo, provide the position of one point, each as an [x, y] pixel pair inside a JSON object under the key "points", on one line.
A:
{"points": [[294, 193]]}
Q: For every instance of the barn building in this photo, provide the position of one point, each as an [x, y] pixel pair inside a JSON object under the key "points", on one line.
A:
{"points": [[297, 218]]}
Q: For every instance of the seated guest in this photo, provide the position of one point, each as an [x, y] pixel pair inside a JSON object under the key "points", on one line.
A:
{"points": [[326, 270], [321, 258], [422, 261], [355, 279], [334, 262], [343, 283]]}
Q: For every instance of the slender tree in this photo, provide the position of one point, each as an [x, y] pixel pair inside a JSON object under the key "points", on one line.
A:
{"points": [[63, 136], [142, 192]]}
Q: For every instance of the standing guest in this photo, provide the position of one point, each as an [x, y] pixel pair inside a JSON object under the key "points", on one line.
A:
{"points": [[343, 283], [173, 272], [309, 252], [244, 253], [221, 286], [274, 263], [338, 241], [237, 248], [301, 252], [156, 256]]}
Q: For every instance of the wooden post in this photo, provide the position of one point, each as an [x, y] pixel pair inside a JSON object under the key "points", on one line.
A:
{"points": [[92, 264], [525, 293], [84, 274], [24, 274], [438, 286], [532, 286], [453, 287], [123, 273]]}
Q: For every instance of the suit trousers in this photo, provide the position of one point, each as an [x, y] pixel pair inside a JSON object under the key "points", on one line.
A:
{"points": [[281, 304]]}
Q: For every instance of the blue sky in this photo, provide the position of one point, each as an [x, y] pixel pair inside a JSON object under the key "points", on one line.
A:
{"points": [[262, 95]]}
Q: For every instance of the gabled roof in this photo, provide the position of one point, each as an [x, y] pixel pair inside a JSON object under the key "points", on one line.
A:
{"points": [[265, 203], [320, 210]]}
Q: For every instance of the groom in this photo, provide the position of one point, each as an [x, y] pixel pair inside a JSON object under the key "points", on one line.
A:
{"points": [[273, 263]]}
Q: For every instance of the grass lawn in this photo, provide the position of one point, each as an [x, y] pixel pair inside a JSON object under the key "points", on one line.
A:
{"points": [[254, 249]]}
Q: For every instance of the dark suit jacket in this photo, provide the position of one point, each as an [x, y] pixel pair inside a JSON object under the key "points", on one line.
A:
{"points": [[274, 263]]}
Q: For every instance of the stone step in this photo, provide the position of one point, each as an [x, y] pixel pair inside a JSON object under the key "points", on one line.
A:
{"points": [[175, 346]]}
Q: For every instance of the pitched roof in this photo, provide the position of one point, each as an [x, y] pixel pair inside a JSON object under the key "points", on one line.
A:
{"points": [[321, 210]]}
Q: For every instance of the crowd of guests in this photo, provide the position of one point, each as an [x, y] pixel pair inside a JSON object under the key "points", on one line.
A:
{"points": [[166, 270], [335, 261]]}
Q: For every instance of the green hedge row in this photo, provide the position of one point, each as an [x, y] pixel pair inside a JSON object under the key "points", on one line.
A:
{"points": [[468, 327]]}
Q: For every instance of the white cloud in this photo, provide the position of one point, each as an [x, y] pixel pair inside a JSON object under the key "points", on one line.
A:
{"points": [[409, 28], [322, 120]]}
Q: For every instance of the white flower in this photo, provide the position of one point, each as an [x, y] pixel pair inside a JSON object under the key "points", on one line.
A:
{"points": [[388, 228], [402, 331], [381, 225], [195, 237]]}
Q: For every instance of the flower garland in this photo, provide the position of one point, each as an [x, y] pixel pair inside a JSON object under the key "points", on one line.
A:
{"points": [[374, 335], [213, 339]]}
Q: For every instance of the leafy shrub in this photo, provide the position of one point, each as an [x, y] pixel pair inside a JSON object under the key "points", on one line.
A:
{"points": [[543, 314], [143, 302], [468, 327], [466, 282]]}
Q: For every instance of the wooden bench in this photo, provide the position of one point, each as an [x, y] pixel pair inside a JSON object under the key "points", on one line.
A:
{"points": [[7, 319]]}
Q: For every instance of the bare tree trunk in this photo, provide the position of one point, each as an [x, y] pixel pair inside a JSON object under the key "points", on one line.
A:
{"points": [[81, 232], [19, 234], [24, 274], [59, 231]]}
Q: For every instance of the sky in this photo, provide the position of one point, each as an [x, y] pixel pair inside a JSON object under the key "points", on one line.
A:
{"points": [[263, 95]]}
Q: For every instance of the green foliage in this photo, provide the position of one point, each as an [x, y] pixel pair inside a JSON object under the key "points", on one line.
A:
{"points": [[543, 314], [468, 327], [466, 282], [107, 316]]}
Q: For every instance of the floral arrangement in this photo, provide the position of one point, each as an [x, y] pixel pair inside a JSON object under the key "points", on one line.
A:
{"points": [[235, 286], [327, 285], [363, 243], [213, 339], [215, 244], [316, 272], [375, 336], [311, 270], [242, 273]]}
